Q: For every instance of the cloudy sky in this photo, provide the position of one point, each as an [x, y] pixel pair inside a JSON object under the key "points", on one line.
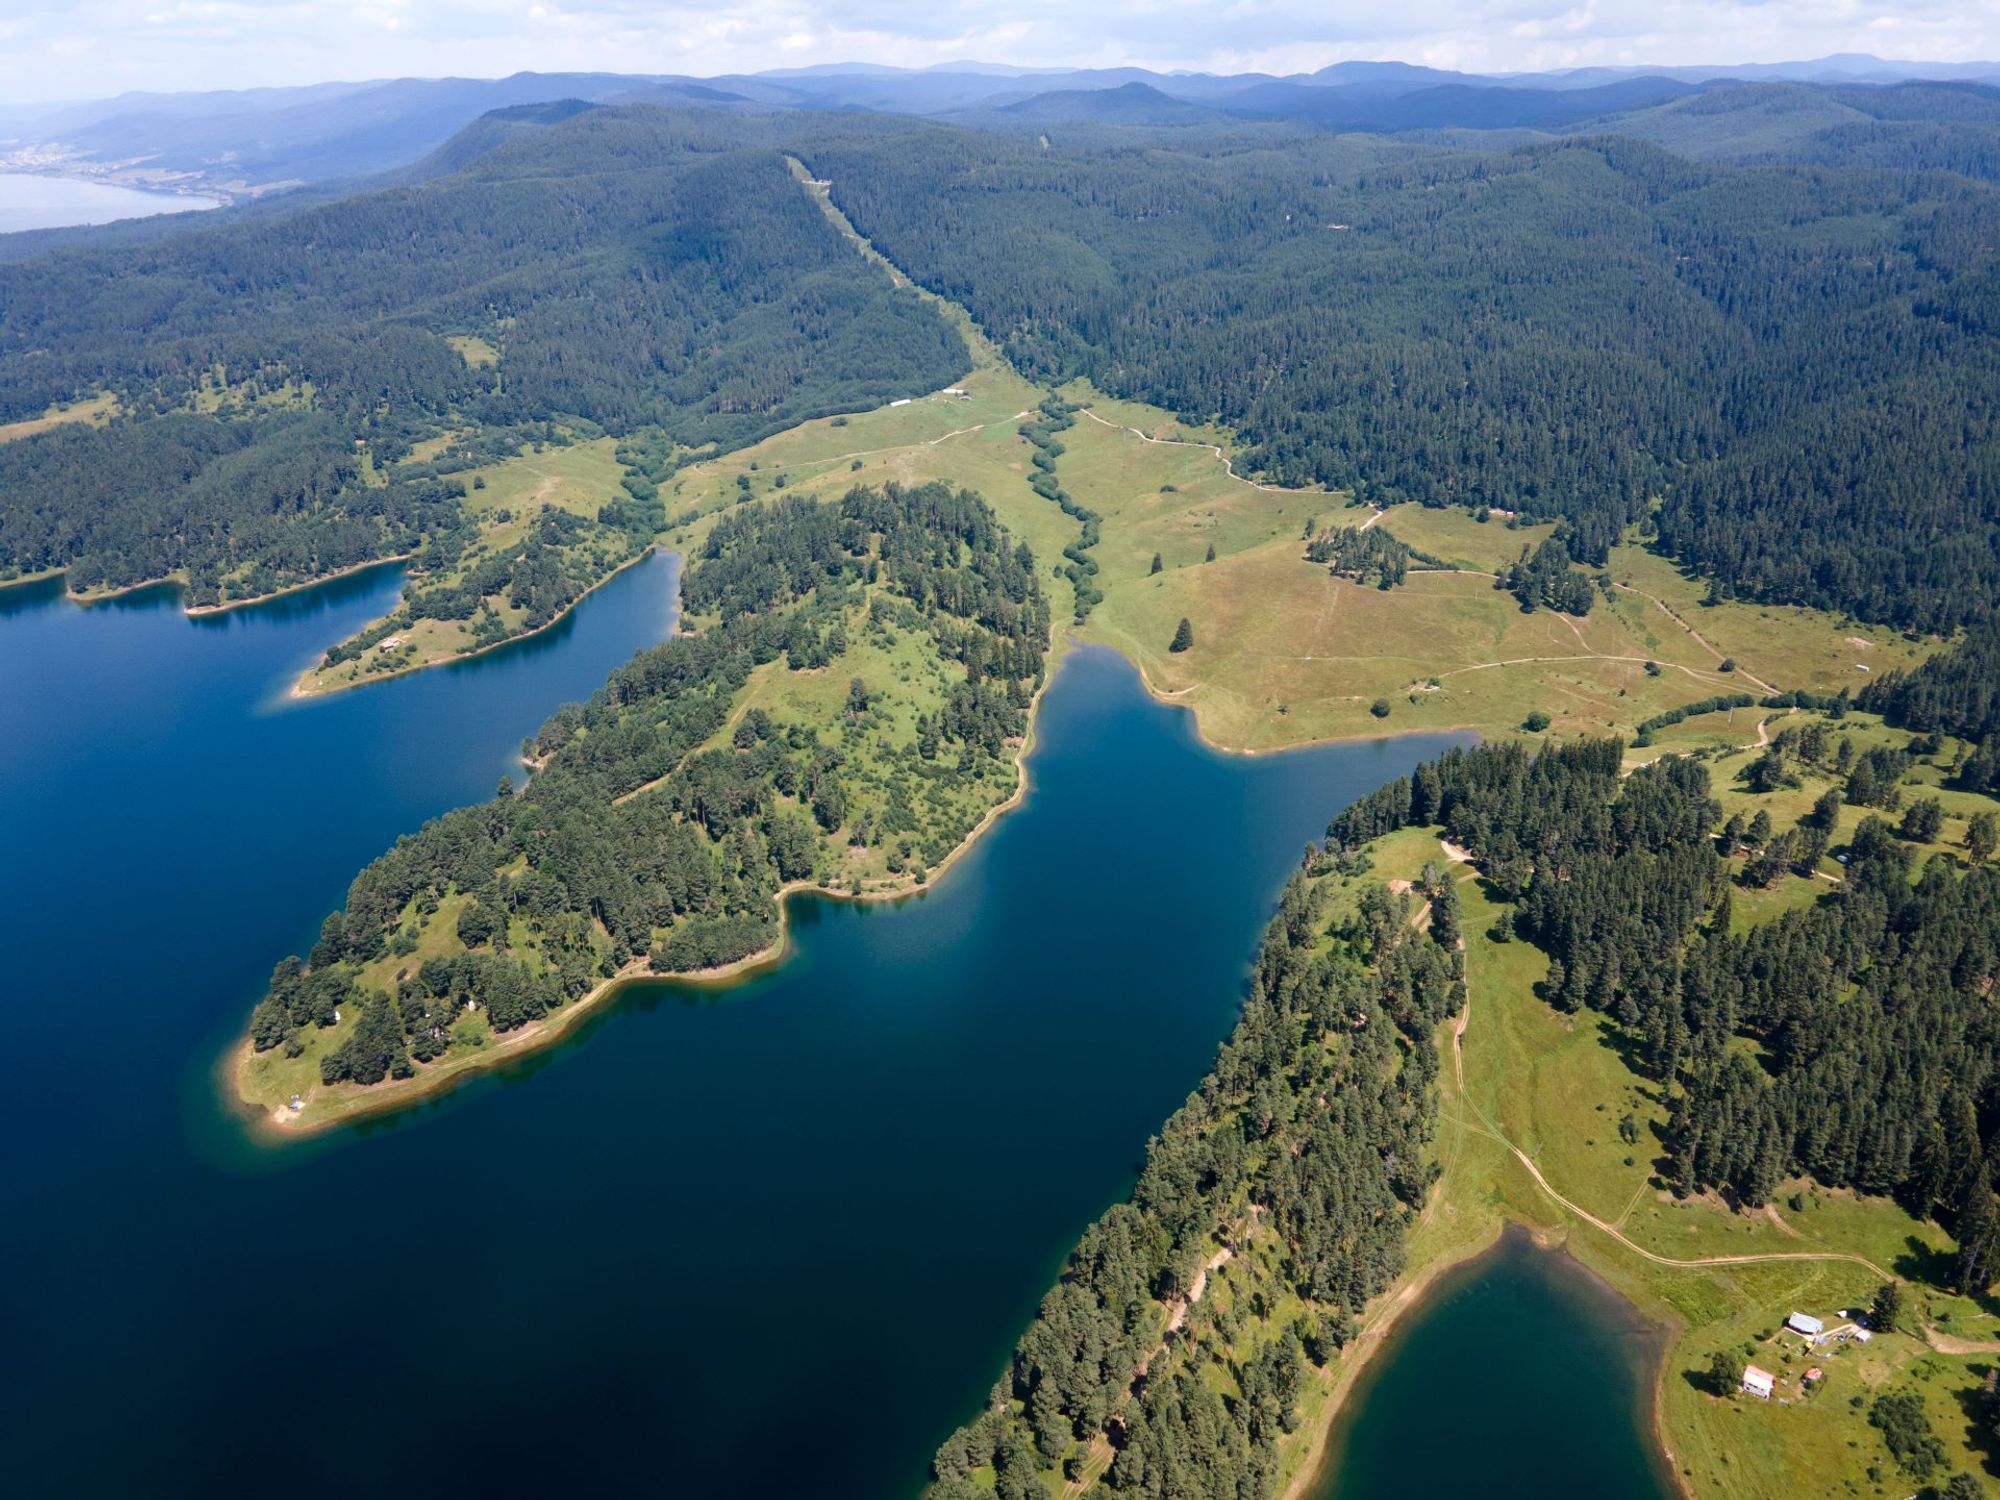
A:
{"points": [[66, 49]]}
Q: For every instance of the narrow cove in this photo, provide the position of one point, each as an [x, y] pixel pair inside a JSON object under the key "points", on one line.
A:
{"points": [[710, 1242], [1540, 1373]]}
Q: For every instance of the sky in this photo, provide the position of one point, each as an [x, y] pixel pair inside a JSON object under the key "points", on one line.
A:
{"points": [[79, 49]]}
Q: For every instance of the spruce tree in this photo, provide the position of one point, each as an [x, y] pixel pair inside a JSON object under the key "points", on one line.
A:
{"points": [[1183, 636]]}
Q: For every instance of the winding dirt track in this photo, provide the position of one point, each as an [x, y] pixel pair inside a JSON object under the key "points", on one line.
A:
{"points": [[1487, 1127], [1215, 448], [1699, 638]]}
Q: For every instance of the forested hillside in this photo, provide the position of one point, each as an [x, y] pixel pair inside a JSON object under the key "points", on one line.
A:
{"points": [[1300, 1157], [1782, 372], [1851, 1039], [662, 821], [630, 269], [1796, 363]]}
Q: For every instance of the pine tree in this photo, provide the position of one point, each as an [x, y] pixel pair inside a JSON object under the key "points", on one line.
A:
{"points": [[1183, 636], [1981, 834], [1978, 1235], [1157, 564]]}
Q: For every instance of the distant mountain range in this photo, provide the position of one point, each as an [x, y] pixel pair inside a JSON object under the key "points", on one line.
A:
{"points": [[247, 143]]}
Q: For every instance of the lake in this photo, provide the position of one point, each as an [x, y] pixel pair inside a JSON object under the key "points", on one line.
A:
{"points": [[766, 1241], [1520, 1374], [28, 201]]}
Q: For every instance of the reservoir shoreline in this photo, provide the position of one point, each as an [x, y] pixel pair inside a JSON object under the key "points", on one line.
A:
{"points": [[1596, 1297], [274, 1124], [300, 690], [808, 1129], [199, 611], [355, 1103]]}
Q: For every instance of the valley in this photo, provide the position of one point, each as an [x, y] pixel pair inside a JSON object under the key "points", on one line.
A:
{"points": [[695, 695]]}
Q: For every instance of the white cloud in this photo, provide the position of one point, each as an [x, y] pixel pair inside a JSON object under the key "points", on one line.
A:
{"points": [[88, 48]]}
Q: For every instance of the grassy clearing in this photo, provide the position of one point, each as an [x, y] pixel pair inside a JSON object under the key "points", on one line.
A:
{"points": [[217, 391], [504, 502], [1284, 653], [1458, 539], [1791, 647], [96, 410], [1559, 1087], [475, 351]]}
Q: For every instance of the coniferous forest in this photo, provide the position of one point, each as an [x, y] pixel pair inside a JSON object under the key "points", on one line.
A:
{"points": [[1851, 1042], [1779, 373], [1868, 1015], [1795, 363], [1305, 1146], [636, 271], [656, 828]]}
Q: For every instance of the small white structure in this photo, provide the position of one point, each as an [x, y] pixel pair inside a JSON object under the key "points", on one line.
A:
{"points": [[1812, 1328], [1758, 1383], [902, 401]]}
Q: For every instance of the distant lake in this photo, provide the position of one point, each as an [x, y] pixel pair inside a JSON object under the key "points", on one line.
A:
{"points": [[31, 202], [766, 1242]]}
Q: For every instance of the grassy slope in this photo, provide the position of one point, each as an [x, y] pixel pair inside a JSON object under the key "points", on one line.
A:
{"points": [[1557, 1087], [1285, 653], [96, 410]]}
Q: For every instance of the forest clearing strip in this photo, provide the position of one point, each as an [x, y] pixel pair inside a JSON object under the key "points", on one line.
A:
{"points": [[1699, 638], [1228, 467], [838, 458]]}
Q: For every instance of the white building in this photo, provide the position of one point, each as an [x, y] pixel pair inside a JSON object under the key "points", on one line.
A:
{"points": [[1758, 1383], [1812, 1328]]}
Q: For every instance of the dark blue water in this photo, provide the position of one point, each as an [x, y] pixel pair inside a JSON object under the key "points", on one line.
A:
{"points": [[775, 1241], [1538, 1376]]}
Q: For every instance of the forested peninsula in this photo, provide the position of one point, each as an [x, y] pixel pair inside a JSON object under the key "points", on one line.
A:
{"points": [[667, 815], [1837, 1040]]}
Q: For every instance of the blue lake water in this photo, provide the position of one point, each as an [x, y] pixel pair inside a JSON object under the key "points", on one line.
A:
{"points": [[712, 1243], [1540, 1373], [29, 201]]}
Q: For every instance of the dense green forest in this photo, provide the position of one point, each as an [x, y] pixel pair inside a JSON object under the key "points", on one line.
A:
{"points": [[634, 270], [1303, 1146], [1795, 363], [1781, 372], [1852, 1040], [1956, 692], [649, 832]]}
